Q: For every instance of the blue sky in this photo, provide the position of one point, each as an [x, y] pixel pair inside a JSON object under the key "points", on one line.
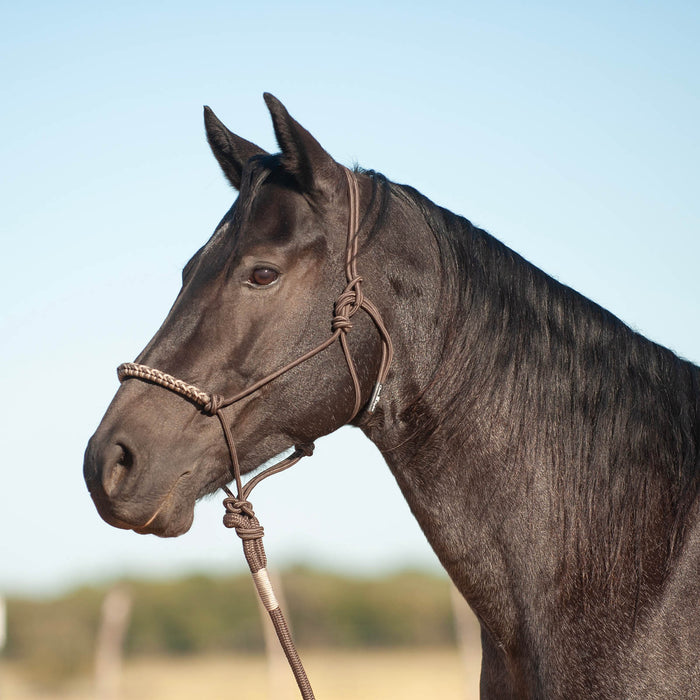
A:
{"points": [[568, 130]]}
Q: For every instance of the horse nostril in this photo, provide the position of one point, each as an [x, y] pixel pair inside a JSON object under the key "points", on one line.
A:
{"points": [[118, 463], [126, 459]]}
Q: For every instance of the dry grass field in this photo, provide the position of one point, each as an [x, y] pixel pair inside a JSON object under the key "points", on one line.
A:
{"points": [[335, 675]]}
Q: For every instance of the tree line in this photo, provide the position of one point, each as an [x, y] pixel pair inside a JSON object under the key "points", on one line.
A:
{"points": [[54, 639]]}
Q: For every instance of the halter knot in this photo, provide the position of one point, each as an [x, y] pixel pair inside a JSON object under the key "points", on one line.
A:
{"points": [[347, 305], [213, 404], [240, 516], [238, 505], [340, 323], [307, 448]]}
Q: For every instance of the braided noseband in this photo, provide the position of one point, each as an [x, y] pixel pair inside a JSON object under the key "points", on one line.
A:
{"points": [[239, 512]]}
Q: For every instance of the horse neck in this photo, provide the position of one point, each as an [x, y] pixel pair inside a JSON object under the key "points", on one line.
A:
{"points": [[515, 423]]}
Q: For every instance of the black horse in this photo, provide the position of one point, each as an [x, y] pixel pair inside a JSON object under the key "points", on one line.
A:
{"points": [[550, 454]]}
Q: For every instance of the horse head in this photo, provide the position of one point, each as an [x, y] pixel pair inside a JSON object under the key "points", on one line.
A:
{"points": [[263, 291]]}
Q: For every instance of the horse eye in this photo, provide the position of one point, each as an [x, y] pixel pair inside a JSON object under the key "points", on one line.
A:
{"points": [[262, 276]]}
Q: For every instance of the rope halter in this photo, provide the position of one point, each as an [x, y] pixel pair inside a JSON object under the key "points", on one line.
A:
{"points": [[239, 511]]}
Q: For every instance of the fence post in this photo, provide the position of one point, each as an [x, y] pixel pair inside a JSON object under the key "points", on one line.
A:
{"points": [[114, 621], [3, 635], [467, 636]]}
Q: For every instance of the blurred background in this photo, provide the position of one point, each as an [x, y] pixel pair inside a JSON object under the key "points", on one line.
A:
{"points": [[568, 130]]}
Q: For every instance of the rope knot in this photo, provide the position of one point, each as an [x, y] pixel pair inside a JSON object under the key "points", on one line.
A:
{"points": [[213, 404], [239, 506], [307, 448], [240, 516], [340, 322], [347, 305]]}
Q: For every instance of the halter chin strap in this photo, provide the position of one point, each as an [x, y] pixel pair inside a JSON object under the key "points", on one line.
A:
{"points": [[239, 511]]}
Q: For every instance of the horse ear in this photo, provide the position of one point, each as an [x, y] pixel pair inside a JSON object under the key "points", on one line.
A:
{"points": [[302, 155], [230, 150]]}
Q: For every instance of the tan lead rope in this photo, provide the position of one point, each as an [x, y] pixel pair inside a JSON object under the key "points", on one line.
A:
{"points": [[239, 511]]}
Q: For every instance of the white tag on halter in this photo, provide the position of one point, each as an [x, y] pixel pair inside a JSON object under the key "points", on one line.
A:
{"points": [[374, 400]]}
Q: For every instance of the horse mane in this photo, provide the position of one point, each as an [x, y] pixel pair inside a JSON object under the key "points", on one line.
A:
{"points": [[560, 381]]}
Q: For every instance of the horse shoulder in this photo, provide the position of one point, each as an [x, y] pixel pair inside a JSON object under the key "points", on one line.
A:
{"points": [[664, 659]]}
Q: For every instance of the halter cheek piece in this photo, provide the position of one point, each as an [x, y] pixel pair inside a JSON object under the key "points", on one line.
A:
{"points": [[239, 511]]}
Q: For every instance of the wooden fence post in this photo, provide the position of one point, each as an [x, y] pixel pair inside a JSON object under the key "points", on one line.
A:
{"points": [[114, 621], [468, 639]]}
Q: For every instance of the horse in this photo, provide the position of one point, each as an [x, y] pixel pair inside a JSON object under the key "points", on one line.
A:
{"points": [[550, 454]]}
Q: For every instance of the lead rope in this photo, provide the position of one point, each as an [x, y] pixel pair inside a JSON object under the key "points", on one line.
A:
{"points": [[239, 511]]}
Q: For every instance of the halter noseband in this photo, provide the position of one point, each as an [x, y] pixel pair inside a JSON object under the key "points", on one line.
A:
{"points": [[239, 511]]}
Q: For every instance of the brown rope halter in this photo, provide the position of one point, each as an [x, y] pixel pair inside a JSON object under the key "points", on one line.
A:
{"points": [[239, 512]]}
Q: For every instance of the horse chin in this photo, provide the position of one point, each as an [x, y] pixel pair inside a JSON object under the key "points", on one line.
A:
{"points": [[174, 516], [172, 521], [170, 517]]}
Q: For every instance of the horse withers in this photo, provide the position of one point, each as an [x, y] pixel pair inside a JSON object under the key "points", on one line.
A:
{"points": [[550, 454]]}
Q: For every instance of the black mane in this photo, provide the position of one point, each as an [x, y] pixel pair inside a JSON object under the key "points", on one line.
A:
{"points": [[615, 414]]}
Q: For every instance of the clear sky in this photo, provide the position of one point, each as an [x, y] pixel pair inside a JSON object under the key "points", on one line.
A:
{"points": [[569, 130]]}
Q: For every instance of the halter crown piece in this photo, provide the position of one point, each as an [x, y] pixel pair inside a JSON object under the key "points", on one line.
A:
{"points": [[239, 511]]}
